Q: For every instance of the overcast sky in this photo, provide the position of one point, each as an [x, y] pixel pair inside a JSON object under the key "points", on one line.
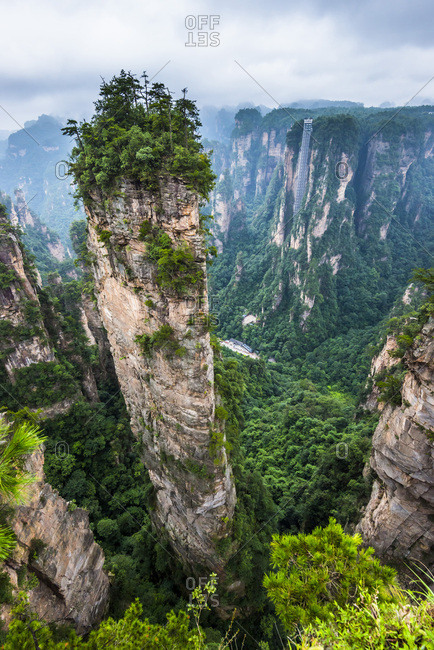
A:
{"points": [[54, 51]]}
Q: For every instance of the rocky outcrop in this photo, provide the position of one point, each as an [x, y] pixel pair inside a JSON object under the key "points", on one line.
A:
{"points": [[364, 203], [244, 170], [58, 547], [23, 217], [54, 544], [169, 392], [381, 362], [24, 338], [96, 335], [18, 291], [398, 521]]}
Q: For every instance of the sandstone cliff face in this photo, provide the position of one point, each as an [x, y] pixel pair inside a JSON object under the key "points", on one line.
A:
{"points": [[363, 205], [381, 362], [57, 546], [244, 172], [16, 293], [399, 519], [72, 583], [170, 397]]}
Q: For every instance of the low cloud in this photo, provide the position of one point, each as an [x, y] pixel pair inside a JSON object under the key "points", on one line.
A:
{"points": [[54, 54]]}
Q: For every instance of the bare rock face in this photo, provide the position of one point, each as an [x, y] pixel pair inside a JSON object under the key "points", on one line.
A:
{"points": [[381, 362], [399, 519], [169, 393], [58, 547]]}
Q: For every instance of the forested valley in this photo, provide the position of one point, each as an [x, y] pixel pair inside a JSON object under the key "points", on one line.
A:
{"points": [[334, 303]]}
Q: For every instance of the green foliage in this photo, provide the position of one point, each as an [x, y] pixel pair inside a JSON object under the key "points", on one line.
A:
{"points": [[100, 469], [37, 547], [7, 542], [246, 120], [177, 269], [406, 329], [104, 236], [370, 624], [16, 443], [408, 325], [128, 633], [5, 587], [306, 444], [144, 341], [315, 573], [138, 132], [37, 243], [131, 631], [10, 333], [163, 337], [390, 383], [199, 601], [425, 277], [255, 276], [221, 413], [255, 513], [44, 383], [7, 276]]}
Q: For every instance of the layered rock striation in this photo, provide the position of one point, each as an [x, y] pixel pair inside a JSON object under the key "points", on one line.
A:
{"points": [[160, 344], [57, 546], [399, 519]]}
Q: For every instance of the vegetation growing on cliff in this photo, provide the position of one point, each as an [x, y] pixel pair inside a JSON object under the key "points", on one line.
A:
{"points": [[17, 441], [327, 591], [138, 132], [314, 574], [406, 328], [253, 275], [38, 239], [162, 338], [177, 268], [291, 425]]}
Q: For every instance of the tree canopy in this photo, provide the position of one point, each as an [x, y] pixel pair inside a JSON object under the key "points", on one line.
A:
{"points": [[141, 133]]}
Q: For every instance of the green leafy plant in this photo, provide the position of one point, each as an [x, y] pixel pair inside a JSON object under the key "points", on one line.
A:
{"points": [[104, 236], [177, 269], [315, 573], [138, 132], [26, 631], [163, 337], [7, 276], [372, 624], [16, 443]]}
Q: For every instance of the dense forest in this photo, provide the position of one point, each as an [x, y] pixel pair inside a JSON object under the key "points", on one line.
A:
{"points": [[375, 234], [297, 426]]}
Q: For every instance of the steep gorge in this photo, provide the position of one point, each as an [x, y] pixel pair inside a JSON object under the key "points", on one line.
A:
{"points": [[286, 283], [53, 543], [365, 221]]}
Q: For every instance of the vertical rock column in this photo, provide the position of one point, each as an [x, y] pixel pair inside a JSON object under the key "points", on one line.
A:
{"points": [[169, 392], [398, 521]]}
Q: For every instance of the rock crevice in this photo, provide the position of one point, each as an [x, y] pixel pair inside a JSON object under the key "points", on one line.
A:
{"points": [[398, 521], [169, 392]]}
